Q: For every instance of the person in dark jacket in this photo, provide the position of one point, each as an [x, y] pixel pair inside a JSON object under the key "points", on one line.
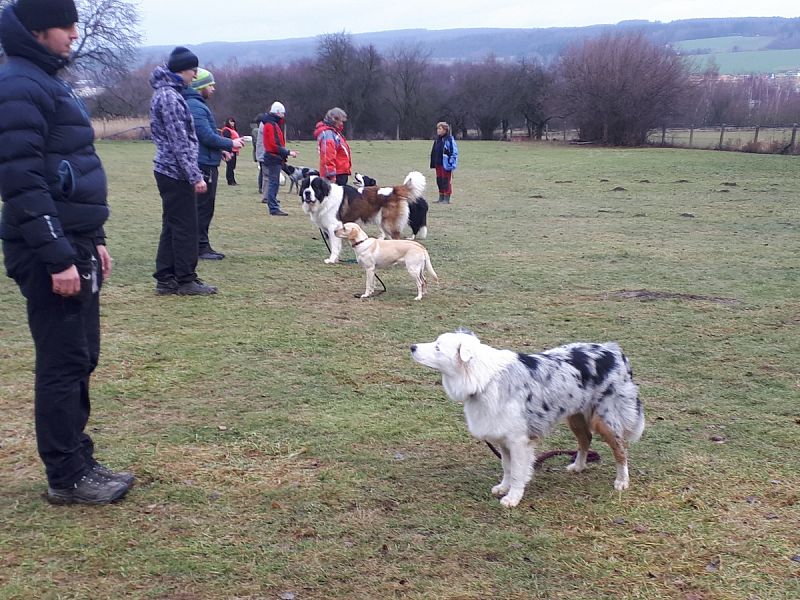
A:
{"points": [[444, 158], [275, 154], [178, 177], [54, 191], [212, 147]]}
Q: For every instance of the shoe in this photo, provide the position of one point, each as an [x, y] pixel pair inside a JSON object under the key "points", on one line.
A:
{"points": [[232, 183], [165, 288], [90, 489], [195, 288], [121, 476], [279, 213], [211, 255], [264, 201]]}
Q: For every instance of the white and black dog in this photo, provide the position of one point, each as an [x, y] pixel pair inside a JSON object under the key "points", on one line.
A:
{"points": [[297, 174], [329, 205], [513, 400], [417, 211]]}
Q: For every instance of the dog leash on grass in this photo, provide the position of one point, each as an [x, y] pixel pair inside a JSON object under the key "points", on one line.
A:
{"points": [[328, 246], [592, 456]]}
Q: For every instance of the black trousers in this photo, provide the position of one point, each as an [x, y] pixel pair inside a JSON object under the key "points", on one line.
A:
{"points": [[230, 167], [177, 247], [205, 206], [66, 337]]}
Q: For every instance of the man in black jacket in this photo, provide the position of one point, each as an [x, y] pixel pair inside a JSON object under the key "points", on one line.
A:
{"points": [[54, 191]]}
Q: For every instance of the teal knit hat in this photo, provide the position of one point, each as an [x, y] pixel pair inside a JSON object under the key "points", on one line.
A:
{"points": [[203, 79]]}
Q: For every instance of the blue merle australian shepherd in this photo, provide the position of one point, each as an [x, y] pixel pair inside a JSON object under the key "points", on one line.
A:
{"points": [[513, 400]]}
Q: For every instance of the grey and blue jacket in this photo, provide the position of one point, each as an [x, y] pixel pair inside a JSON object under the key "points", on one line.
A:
{"points": [[172, 128]]}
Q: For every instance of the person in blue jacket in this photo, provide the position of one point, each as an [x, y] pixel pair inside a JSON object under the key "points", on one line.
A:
{"points": [[54, 192], [444, 158], [210, 153]]}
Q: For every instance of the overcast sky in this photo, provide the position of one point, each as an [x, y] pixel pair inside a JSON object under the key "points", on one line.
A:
{"points": [[175, 22]]}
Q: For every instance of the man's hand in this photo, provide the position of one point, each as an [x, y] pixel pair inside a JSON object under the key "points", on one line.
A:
{"points": [[106, 262], [67, 283], [293, 153], [201, 187], [226, 156], [238, 143]]}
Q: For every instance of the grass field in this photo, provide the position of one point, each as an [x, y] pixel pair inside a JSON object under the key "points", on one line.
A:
{"points": [[731, 43], [286, 445], [748, 62]]}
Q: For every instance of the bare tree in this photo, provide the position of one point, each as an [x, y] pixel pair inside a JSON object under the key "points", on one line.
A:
{"points": [[533, 97], [406, 84], [109, 37], [620, 85], [352, 75], [485, 90]]}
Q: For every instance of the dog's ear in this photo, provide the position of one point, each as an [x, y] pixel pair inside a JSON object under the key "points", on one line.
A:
{"points": [[321, 188], [467, 349]]}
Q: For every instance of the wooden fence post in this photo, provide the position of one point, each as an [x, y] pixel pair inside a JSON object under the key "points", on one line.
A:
{"points": [[565, 130], [793, 144], [663, 135], [691, 134], [721, 136], [755, 137]]}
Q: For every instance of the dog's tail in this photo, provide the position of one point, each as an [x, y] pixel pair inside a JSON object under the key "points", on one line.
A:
{"points": [[415, 184], [429, 268]]}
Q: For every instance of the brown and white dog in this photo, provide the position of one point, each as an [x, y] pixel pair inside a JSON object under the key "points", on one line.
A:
{"points": [[417, 211], [372, 254], [329, 205]]}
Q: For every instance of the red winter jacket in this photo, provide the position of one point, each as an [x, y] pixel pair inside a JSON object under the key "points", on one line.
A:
{"points": [[275, 150], [334, 153]]}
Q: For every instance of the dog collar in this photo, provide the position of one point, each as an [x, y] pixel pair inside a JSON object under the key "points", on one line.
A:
{"points": [[359, 242]]}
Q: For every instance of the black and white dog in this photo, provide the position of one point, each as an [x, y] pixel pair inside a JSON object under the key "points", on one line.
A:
{"points": [[513, 400], [297, 174], [417, 212]]}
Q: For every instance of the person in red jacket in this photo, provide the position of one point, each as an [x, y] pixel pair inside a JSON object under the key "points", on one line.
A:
{"points": [[275, 154], [334, 153], [229, 131]]}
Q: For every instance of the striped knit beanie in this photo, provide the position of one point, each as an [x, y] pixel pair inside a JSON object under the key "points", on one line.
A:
{"points": [[203, 79]]}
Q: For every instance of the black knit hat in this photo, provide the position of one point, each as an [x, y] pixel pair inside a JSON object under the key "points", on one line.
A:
{"points": [[182, 59], [38, 15]]}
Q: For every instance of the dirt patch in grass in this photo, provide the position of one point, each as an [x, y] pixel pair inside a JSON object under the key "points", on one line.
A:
{"points": [[646, 295]]}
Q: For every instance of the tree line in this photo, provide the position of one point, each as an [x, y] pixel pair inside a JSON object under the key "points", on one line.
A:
{"points": [[615, 88]]}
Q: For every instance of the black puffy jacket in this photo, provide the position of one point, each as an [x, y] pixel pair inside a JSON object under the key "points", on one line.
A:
{"points": [[51, 180]]}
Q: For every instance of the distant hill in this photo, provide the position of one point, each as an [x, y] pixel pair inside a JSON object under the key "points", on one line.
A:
{"points": [[705, 37]]}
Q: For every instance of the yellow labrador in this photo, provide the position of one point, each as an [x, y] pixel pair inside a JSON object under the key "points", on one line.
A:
{"points": [[372, 253]]}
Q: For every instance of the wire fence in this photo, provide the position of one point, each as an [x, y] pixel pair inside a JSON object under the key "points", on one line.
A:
{"points": [[725, 137]]}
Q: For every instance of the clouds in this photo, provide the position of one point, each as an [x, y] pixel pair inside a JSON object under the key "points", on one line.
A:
{"points": [[176, 22]]}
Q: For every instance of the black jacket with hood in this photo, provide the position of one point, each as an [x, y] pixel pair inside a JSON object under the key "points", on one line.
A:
{"points": [[51, 180]]}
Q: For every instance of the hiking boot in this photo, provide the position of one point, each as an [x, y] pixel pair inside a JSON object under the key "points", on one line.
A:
{"points": [[211, 254], [279, 213], [90, 489], [102, 471], [196, 288], [165, 288]]}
